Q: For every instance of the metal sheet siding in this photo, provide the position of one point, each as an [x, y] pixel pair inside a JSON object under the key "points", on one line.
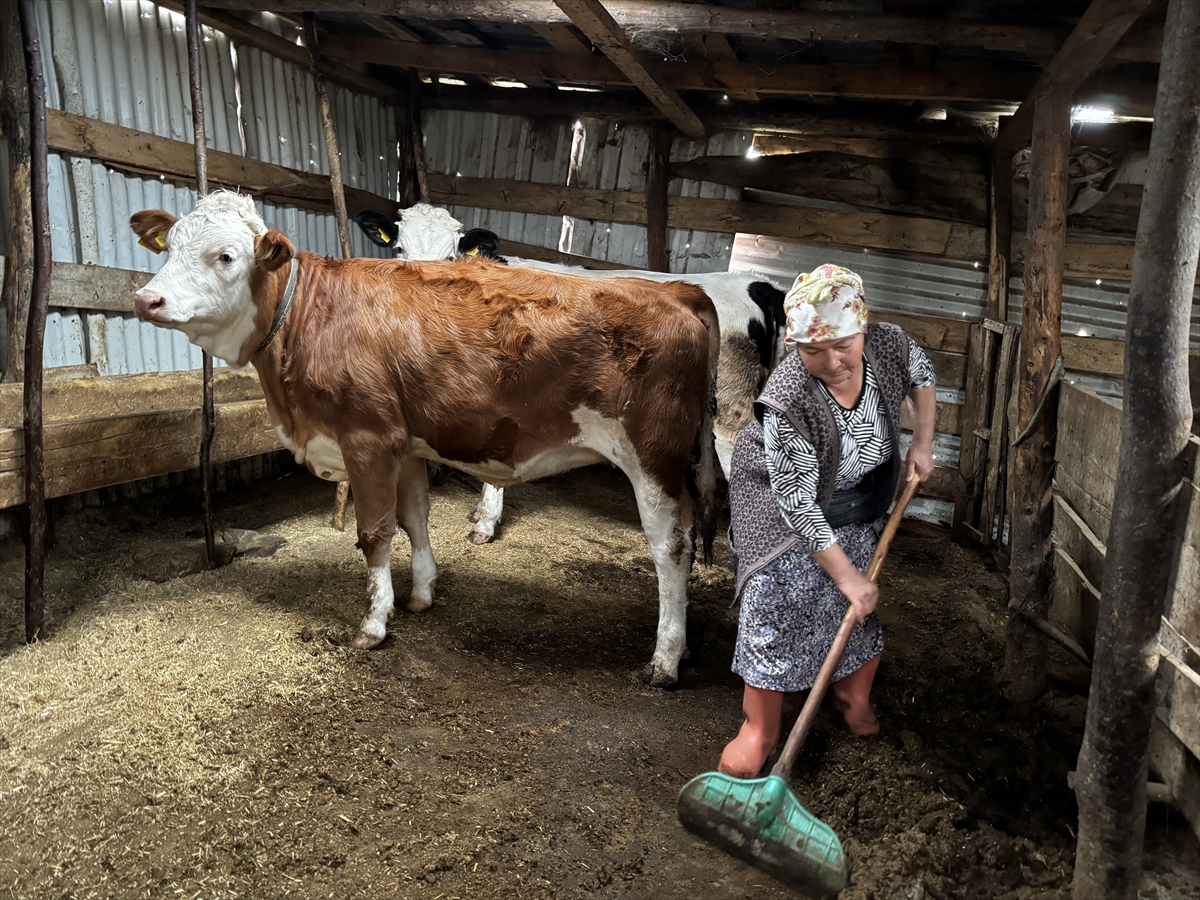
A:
{"points": [[487, 145], [125, 62], [612, 156]]}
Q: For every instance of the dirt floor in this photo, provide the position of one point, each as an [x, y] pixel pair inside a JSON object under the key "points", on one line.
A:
{"points": [[215, 737]]}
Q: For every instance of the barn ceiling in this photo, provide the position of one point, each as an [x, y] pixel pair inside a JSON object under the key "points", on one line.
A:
{"points": [[940, 70]]}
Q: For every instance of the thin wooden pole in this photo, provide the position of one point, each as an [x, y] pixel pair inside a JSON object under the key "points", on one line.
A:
{"points": [[14, 121], [35, 332], [1155, 419], [1031, 460], [209, 427], [1000, 236], [418, 134], [342, 499], [331, 141], [657, 178]]}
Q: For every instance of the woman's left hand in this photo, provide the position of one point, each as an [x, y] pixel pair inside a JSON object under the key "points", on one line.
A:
{"points": [[919, 460]]}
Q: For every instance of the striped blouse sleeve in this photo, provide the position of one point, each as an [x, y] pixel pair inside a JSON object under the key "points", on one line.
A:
{"points": [[920, 368], [792, 465]]}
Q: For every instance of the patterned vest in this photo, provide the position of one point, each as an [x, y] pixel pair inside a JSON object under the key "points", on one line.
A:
{"points": [[757, 531]]}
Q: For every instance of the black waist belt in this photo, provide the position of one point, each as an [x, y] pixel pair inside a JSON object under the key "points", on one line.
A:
{"points": [[866, 501]]}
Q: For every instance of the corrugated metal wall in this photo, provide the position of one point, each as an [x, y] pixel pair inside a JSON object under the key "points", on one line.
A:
{"points": [[125, 62], [610, 155]]}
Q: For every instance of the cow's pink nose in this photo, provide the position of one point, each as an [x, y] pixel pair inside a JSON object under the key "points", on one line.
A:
{"points": [[148, 304]]}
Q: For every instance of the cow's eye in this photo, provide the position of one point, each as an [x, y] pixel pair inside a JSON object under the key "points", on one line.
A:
{"points": [[226, 257]]}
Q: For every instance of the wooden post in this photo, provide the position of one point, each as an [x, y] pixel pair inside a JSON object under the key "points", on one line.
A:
{"points": [[999, 236], [657, 178], [338, 520], [14, 116], [35, 331], [408, 185], [1155, 419], [200, 143], [1031, 461], [418, 135]]}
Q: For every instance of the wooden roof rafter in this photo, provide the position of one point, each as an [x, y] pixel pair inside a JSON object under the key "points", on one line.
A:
{"points": [[1100, 29], [724, 74], [1036, 42], [601, 29]]}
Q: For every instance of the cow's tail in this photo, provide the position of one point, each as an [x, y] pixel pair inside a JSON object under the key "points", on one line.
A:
{"points": [[704, 472]]}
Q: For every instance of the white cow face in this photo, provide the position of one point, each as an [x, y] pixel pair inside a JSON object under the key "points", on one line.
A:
{"points": [[428, 232], [205, 288]]}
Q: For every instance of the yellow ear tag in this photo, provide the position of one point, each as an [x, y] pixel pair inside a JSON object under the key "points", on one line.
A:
{"points": [[156, 244], [474, 251], [384, 236]]}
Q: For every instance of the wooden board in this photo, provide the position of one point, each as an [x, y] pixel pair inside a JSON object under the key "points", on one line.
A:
{"points": [[1089, 430], [1180, 709], [950, 368], [976, 431], [122, 395], [1078, 541], [100, 452], [1074, 602], [931, 332], [1179, 768], [872, 230], [1183, 607], [143, 153]]}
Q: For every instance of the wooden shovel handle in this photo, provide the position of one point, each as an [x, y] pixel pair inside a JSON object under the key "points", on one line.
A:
{"points": [[783, 768]]}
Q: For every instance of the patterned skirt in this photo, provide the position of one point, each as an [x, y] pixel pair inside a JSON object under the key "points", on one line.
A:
{"points": [[791, 612]]}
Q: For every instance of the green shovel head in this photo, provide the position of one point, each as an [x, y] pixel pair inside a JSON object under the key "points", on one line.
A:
{"points": [[760, 821]]}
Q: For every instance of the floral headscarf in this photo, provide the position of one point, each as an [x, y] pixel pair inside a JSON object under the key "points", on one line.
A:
{"points": [[825, 304]]}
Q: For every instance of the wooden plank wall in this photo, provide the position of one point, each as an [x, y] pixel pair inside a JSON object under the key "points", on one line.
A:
{"points": [[1089, 429]]}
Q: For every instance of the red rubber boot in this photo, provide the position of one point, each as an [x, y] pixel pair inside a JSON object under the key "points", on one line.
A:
{"points": [[852, 697], [745, 754]]}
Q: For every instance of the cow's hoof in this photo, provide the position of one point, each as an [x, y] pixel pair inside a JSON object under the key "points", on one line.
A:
{"points": [[478, 537], [364, 641], [417, 605], [660, 677]]}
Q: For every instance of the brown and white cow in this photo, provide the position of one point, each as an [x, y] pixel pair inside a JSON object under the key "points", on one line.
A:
{"points": [[370, 367], [749, 309]]}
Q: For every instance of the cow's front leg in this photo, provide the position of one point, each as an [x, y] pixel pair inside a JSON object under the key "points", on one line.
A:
{"points": [[412, 511], [667, 523], [487, 514], [374, 487]]}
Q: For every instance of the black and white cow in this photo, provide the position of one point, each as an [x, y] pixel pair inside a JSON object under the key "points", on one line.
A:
{"points": [[749, 309]]}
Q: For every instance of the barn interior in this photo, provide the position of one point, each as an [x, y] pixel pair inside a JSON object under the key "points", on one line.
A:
{"points": [[981, 164]]}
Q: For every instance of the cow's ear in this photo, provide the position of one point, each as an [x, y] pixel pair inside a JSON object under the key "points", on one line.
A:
{"points": [[273, 249], [151, 227]]}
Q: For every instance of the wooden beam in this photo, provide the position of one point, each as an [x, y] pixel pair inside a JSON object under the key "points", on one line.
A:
{"points": [[14, 120], [100, 452], [999, 236], [1093, 38], [891, 83], [562, 38], [390, 28], [242, 31], [1032, 460], [872, 230], [902, 185], [601, 29], [657, 178], [107, 396], [884, 121], [1036, 42], [546, 254], [148, 154]]}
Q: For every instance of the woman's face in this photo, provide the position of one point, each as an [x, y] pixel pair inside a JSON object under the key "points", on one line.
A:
{"points": [[836, 361]]}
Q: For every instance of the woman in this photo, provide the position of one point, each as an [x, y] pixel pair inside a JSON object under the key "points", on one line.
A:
{"points": [[811, 479]]}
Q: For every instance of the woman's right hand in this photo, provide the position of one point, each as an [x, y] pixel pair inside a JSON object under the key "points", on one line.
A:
{"points": [[862, 593]]}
